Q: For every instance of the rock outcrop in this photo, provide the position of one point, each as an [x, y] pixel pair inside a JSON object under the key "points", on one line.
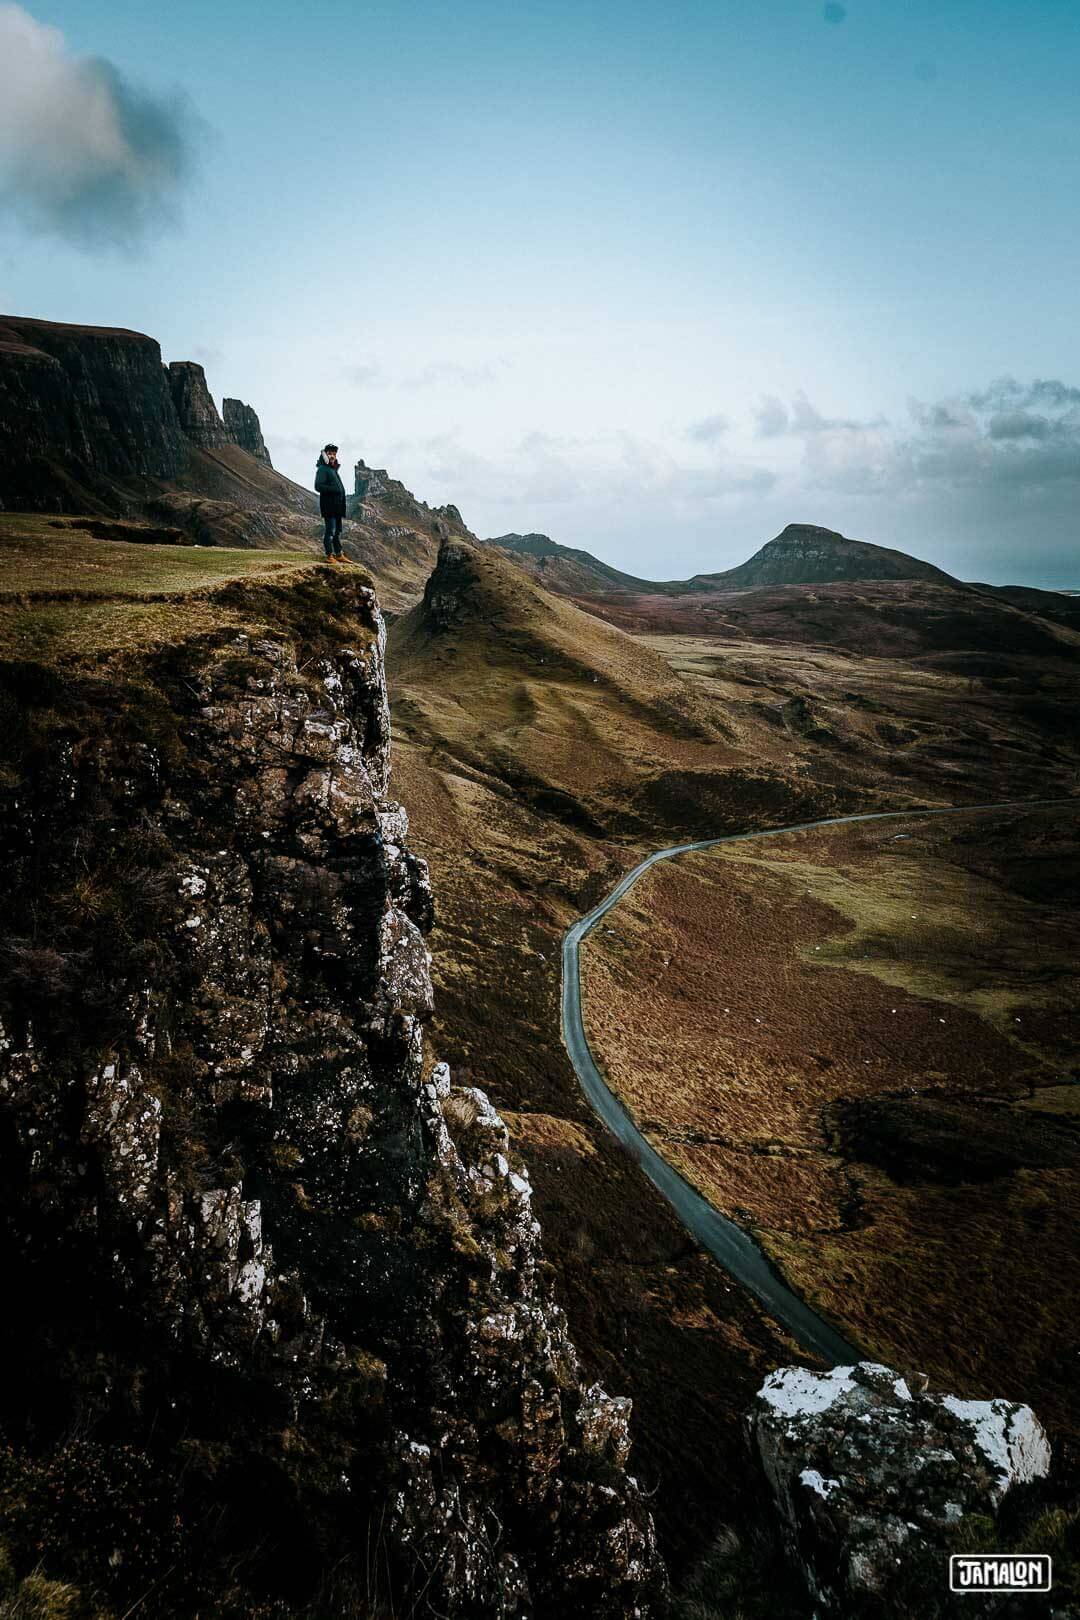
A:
{"points": [[370, 482], [874, 1479], [195, 408], [242, 427], [259, 1254]]}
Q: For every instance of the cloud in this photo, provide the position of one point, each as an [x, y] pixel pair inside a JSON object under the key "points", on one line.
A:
{"points": [[587, 478], [85, 154], [708, 429], [441, 372], [1006, 393], [774, 418], [362, 373], [436, 374], [834, 13]]}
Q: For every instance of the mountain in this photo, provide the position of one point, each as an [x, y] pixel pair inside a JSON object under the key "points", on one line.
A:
{"points": [[803, 554], [581, 720], [92, 423], [566, 570]]}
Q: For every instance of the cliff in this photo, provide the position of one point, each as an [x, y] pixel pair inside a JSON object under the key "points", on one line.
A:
{"points": [[278, 1327], [81, 404]]}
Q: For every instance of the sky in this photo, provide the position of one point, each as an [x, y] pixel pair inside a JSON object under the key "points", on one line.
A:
{"points": [[655, 281]]}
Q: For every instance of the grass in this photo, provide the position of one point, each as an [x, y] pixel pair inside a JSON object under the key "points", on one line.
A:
{"points": [[64, 595]]}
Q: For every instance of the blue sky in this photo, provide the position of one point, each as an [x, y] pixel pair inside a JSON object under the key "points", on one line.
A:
{"points": [[655, 281]]}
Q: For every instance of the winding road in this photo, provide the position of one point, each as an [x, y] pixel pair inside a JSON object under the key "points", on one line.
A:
{"points": [[735, 1249]]}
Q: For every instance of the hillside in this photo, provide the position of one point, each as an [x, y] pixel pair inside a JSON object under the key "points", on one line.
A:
{"points": [[536, 753], [579, 718], [569, 571], [874, 618]]}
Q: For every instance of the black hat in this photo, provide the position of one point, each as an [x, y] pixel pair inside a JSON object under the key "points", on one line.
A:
{"points": [[327, 447]]}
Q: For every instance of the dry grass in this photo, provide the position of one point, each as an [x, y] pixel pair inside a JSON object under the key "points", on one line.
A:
{"points": [[738, 999]]}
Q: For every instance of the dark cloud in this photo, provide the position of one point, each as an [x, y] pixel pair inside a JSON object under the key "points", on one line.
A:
{"points": [[1021, 425], [85, 154], [708, 429], [1005, 393], [834, 13]]}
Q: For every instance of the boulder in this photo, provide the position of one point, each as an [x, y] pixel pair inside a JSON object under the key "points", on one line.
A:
{"points": [[873, 1477]]}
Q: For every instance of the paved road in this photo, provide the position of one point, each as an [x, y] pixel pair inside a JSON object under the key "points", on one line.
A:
{"points": [[736, 1251]]}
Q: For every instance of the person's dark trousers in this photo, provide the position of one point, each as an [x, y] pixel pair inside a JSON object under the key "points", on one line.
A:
{"points": [[332, 536]]}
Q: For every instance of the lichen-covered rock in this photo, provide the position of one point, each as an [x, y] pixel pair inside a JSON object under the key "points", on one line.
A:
{"points": [[246, 1224], [873, 1476]]}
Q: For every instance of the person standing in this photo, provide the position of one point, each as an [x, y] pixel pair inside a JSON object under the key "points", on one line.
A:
{"points": [[331, 501]]}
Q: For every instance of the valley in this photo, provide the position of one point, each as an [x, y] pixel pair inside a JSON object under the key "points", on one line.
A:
{"points": [[532, 792]]}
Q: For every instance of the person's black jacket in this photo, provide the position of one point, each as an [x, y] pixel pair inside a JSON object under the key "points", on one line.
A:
{"points": [[331, 489]]}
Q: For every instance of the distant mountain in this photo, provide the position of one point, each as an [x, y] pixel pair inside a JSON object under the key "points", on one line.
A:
{"points": [[567, 570], [803, 554]]}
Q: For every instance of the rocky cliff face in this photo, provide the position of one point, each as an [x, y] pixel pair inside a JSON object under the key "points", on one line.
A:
{"points": [[76, 402], [195, 409], [277, 1323], [242, 427]]}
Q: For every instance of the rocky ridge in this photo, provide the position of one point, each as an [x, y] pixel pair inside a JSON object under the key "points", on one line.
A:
{"points": [[252, 1235]]}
